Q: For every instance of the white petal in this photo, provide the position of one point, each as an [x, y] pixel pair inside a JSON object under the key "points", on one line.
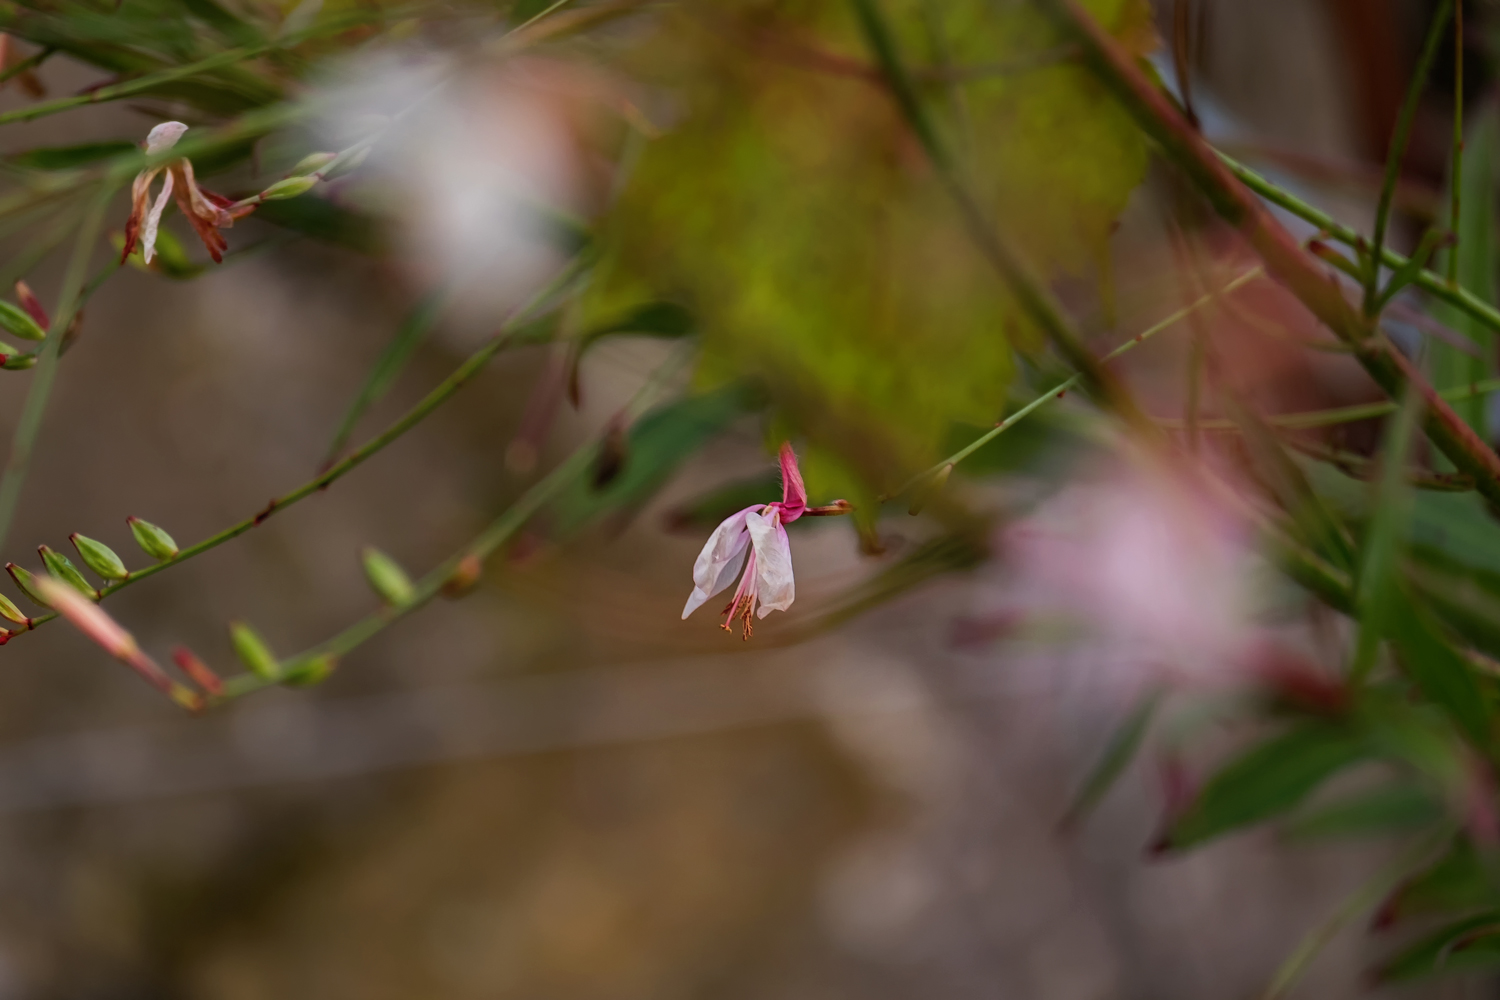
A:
{"points": [[720, 560], [153, 220], [773, 562], [164, 136]]}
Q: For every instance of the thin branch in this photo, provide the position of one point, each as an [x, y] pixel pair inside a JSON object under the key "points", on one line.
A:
{"points": [[1458, 133], [510, 335], [1337, 415], [1429, 281], [1067, 385], [30, 423], [1397, 152], [29, 63], [1283, 256], [500, 531]]}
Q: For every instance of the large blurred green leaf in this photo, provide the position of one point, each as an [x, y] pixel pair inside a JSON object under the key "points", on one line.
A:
{"points": [[1268, 780], [791, 210]]}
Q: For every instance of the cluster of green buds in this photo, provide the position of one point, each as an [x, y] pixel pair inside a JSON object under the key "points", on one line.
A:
{"points": [[102, 560], [28, 321], [64, 590]]}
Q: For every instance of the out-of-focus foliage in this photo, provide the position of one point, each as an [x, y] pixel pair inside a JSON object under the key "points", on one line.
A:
{"points": [[788, 204]]}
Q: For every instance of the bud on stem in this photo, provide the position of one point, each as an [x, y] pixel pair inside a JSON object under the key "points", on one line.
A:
{"points": [[253, 652], [155, 542], [99, 557], [9, 611], [27, 582], [312, 163], [387, 578], [310, 671], [18, 323], [61, 567]]}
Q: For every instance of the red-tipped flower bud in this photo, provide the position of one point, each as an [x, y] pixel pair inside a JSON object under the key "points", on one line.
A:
{"points": [[18, 322], [197, 671]]}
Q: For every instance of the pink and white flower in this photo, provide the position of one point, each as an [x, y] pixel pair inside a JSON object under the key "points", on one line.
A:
{"points": [[755, 539]]}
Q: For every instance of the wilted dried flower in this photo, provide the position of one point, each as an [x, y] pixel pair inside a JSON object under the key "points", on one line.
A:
{"points": [[205, 211]]}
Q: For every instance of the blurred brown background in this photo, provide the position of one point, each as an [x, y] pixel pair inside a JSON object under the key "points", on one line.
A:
{"points": [[554, 788]]}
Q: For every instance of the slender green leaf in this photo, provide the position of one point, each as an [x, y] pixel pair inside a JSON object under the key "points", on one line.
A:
{"points": [[653, 319], [1438, 670], [653, 449], [1376, 587], [1468, 945], [1478, 253], [1384, 810], [1267, 781], [1460, 880], [67, 157], [1121, 749], [409, 336]]}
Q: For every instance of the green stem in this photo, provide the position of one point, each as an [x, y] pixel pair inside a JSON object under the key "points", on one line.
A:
{"points": [[500, 531], [1397, 152], [32, 412], [1338, 415], [219, 60], [1067, 385], [30, 62], [1285, 258], [1430, 282], [1458, 133], [509, 335], [1363, 899]]}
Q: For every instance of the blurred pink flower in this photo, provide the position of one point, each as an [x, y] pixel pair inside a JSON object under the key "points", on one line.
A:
{"points": [[754, 538], [92, 620], [1148, 562]]}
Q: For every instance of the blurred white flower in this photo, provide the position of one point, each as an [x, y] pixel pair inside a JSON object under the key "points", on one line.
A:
{"points": [[475, 163]]}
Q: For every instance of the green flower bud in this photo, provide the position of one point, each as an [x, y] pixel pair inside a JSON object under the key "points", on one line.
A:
{"points": [[289, 188], [312, 163], [346, 162], [99, 557], [387, 578], [18, 322], [307, 672], [253, 652], [9, 610], [27, 583], [61, 567], [153, 541], [15, 360]]}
